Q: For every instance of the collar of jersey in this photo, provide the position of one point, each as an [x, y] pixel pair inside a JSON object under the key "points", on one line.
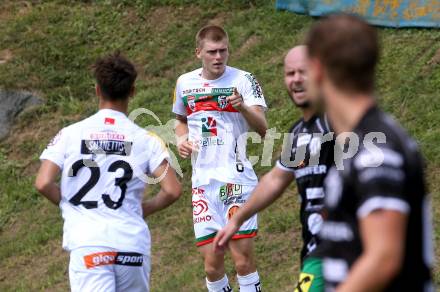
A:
{"points": [[110, 112], [212, 80]]}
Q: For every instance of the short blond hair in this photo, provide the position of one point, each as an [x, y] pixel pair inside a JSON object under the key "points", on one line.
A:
{"points": [[213, 33]]}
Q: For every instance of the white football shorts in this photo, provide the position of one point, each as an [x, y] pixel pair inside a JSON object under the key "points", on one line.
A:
{"points": [[104, 269], [214, 205]]}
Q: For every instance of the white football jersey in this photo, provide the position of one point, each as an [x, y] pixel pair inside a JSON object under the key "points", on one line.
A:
{"points": [[105, 162], [218, 128]]}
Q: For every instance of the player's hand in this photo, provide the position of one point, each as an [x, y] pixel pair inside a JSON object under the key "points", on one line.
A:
{"points": [[236, 100], [185, 148], [223, 236]]}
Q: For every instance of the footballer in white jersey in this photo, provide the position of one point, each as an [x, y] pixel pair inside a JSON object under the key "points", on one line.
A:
{"points": [[215, 107], [105, 162]]}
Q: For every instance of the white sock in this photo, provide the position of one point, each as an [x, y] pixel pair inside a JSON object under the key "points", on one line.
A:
{"points": [[221, 285], [249, 283]]}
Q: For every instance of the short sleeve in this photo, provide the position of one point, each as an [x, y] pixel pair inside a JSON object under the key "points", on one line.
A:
{"points": [[55, 150], [251, 91], [379, 181], [157, 152], [178, 106], [279, 164]]}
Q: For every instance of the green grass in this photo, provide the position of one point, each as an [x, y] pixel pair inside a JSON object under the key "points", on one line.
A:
{"points": [[53, 44]]}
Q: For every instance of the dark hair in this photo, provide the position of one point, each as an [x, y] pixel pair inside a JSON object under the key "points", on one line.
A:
{"points": [[115, 76], [210, 32], [347, 46]]}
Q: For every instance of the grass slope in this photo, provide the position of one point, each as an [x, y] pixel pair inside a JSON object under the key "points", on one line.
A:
{"points": [[52, 43]]}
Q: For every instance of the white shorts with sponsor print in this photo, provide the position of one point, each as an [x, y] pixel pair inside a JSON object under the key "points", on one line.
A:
{"points": [[104, 269], [213, 206]]}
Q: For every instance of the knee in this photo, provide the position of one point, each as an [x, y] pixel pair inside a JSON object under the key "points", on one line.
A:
{"points": [[244, 265], [214, 272]]}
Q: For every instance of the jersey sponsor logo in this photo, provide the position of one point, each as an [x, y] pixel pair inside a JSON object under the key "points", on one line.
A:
{"points": [[209, 126], [201, 219], [304, 283], [231, 193], [256, 88], [199, 207], [193, 90], [336, 231], [232, 210], [314, 193], [100, 259], [310, 170], [230, 190], [198, 191], [227, 91], [115, 147], [209, 133], [107, 136], [109, 121], [216, 100], [113, 258], [132, 259]]}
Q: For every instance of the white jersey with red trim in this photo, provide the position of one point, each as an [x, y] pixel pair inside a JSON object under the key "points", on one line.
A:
{"points": [[105, 161], [219, 130]]}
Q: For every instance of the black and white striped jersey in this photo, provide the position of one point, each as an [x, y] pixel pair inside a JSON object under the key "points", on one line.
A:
{"points": [[386, 173], [308, 153]]}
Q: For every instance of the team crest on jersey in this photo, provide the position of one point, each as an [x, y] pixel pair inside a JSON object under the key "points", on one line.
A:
{"points": [[222, 102], [192, 102]]}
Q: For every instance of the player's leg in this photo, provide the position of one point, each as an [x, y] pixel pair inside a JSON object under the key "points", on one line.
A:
{"points": [[132, 272], [242, 252], [216, 279], [242, 243], [207, 222], [91, 269], [311, 278]]}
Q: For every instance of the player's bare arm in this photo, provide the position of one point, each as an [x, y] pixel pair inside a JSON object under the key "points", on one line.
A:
{"points": [[254, 115], [184, 147], [383, 239], [45, 181], [269, 189], [170, 190]]}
